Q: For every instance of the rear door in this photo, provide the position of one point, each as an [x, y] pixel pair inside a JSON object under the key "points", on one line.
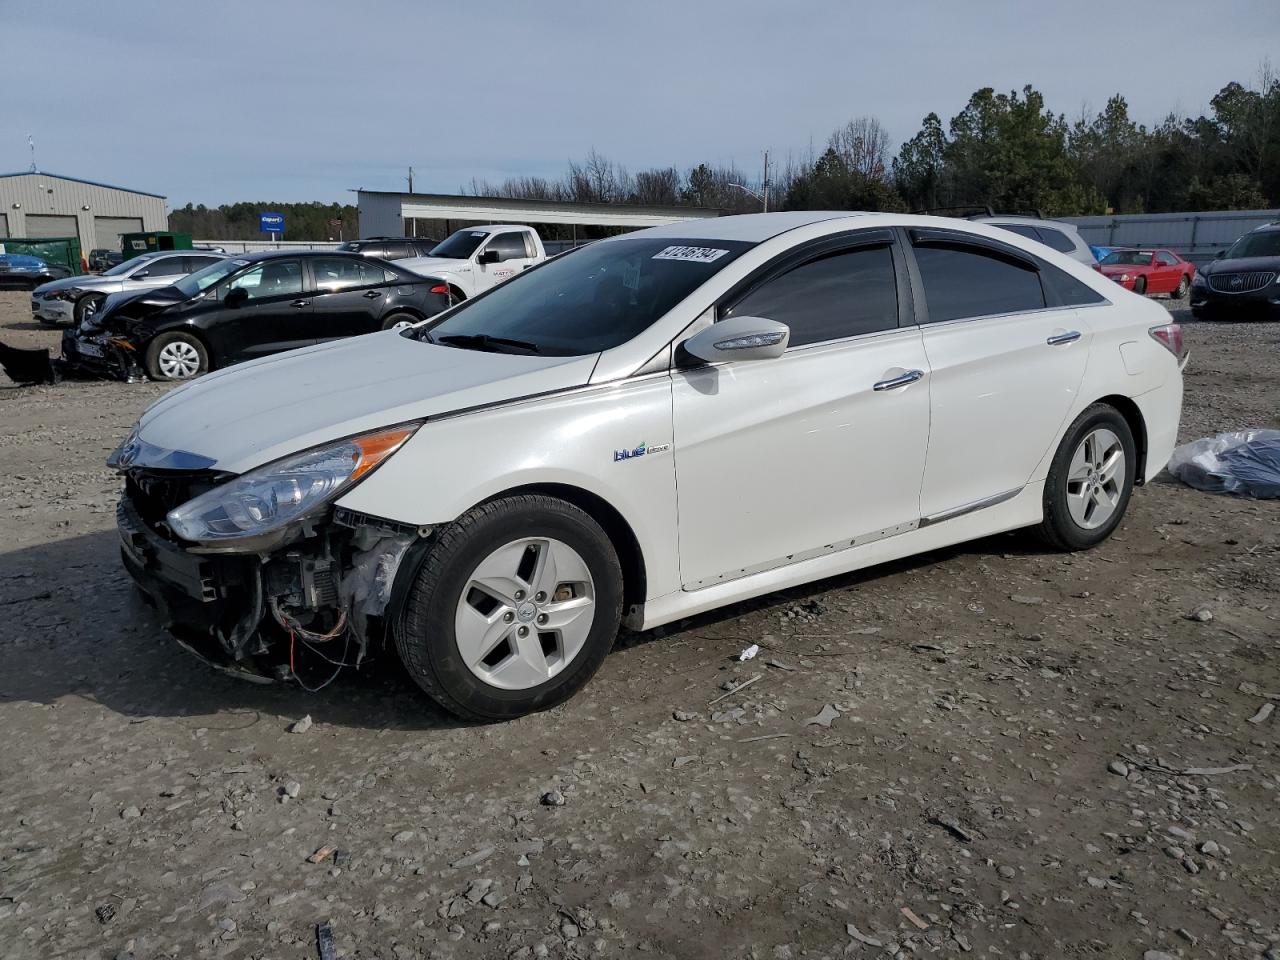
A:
{"points": [[276, 316], [785, 459], [1007, 354], [351, 294]]}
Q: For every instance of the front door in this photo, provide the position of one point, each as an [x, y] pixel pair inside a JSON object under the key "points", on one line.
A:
{"points": [[276, 316], [1005, 371], [513, 257], [779, 460], [1165, 273]]}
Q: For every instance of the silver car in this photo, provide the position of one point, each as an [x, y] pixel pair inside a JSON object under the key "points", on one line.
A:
{"points": [[73, 299], [1063, 237]]}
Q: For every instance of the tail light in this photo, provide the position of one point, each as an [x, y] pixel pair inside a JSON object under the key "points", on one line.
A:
{"points": [[440, 288], [1169, 336], [1098, 267]]}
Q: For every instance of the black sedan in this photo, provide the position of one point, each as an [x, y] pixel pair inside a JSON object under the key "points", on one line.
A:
{"points": [[247, 307]]}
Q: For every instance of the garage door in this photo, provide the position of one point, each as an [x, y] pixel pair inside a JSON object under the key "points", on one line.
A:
{"points": [[4, 224], [107, 230], [47, 225]]}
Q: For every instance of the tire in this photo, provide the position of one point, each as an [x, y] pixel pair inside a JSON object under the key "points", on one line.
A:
{"points": [[398, 319], [505, 682], [88, 304], [1070, 523], [176, 356], [456, 296], [1183, 286], [1140, 286]]}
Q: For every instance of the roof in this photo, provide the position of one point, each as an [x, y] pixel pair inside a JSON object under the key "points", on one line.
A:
{"points": [[753, 227], [467, 198], [91, 183]]}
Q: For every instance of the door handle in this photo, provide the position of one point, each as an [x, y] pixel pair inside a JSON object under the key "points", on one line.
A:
{"points": [[911, 376], [372, 295], [300, 303], [1058, 339]]}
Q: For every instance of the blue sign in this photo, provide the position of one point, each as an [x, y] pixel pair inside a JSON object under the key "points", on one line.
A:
{"points": [[271, 222]]}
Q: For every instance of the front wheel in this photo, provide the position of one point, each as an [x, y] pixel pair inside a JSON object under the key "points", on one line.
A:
{"points": [[513, 608], [1090, 480], [176, 356]]}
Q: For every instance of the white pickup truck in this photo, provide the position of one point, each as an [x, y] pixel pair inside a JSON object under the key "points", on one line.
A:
{"points": [[471, 261]]}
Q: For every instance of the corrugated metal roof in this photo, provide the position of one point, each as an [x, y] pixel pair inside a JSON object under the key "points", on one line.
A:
{"points": [[91, 183]]}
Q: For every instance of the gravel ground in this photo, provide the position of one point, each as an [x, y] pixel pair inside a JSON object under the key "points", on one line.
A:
{"points": [[990, 750]]}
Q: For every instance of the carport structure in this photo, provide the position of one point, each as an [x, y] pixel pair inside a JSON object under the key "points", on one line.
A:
{"points": [[393, 214]]}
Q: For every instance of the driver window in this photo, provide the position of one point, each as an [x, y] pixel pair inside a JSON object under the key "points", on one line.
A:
{"points": [[510, 246], [274, 278]]}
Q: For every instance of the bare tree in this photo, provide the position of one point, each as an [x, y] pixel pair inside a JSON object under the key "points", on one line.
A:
{"points": [[863, 145]]}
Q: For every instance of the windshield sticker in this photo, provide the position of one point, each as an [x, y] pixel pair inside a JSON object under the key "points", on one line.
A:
{"points": [[693, 254], [241, 263], [481, 234], [631, 275]]}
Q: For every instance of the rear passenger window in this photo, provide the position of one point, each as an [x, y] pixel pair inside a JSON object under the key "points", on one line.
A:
{"points": [[1057, 239], [839, 295], [963, 281], [1021, 230]]}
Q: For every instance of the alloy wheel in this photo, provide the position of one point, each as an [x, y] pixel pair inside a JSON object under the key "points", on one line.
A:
{"points": [[525, 613], [179, 360], [1095, 479]]}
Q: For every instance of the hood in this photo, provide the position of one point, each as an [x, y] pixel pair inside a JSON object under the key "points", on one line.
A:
{"points": [[82, 282], [1241, 265], [140, 303], [431, 266], [257, 412]]}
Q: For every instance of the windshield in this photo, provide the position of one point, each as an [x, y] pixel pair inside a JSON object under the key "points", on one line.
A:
{"points": [[588, 300], [126, 266], [460, 245], [1265, 244], [202, 280], [1137, 258]]}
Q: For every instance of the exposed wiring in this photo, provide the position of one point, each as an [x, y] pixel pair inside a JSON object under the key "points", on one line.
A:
{"points": [[296, 631]]}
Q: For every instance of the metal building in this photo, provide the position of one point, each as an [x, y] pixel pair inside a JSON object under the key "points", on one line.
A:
{"points": [[38, 205], [392, 214]]}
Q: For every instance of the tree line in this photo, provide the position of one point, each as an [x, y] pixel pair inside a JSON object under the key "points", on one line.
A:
{"points": [[1008, 151]]}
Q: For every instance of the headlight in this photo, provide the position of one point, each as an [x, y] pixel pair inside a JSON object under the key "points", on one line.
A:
{"points": [[270, 497], [1198, 280]]}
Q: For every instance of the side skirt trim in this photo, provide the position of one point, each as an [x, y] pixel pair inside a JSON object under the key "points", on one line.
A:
{"points": [[961, 510]]}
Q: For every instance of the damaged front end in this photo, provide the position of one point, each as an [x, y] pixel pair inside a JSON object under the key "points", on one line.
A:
{"points": [[298, 600]]}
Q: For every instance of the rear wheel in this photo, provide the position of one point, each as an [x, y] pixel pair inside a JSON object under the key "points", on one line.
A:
{"points": [[176, 356], [456, 296], [1140, 285], [87, 306], [1090, 480], [398, 321], [1183, 286], [512, 610]]}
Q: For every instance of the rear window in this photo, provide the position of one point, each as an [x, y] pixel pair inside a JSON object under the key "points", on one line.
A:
{"points": [[961, 282], [1057, 239]]}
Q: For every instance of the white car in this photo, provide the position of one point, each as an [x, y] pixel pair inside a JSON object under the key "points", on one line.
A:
{"points": [[656, 425], [472, 260], [72, 299]]}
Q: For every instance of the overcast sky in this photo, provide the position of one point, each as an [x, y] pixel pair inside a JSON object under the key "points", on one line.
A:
{"points": [[285, 100]]}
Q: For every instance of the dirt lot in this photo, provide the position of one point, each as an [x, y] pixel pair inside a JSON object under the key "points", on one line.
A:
{"points": [[1011, 769]]}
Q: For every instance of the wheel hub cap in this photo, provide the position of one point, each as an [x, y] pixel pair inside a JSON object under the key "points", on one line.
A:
{"points": [[1096, 478], [525, 613]]}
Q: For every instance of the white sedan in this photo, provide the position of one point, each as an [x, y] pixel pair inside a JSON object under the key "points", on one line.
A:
{"points": [[640, 430]]}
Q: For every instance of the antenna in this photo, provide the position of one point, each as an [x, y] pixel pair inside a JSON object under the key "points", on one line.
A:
{"points": [[32, 144]]}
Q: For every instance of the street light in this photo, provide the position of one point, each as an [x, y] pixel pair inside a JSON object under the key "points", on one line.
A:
{"points": [[758, 196]]}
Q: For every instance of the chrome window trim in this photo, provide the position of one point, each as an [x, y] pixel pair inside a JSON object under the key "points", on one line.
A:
{"points": [[1011, 313]]}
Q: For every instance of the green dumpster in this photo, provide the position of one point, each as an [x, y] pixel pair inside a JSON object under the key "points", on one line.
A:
{"points": [[63, 250], [133, 244]]}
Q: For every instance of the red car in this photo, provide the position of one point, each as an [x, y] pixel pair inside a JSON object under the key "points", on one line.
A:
{"points": [[1147, 270]]}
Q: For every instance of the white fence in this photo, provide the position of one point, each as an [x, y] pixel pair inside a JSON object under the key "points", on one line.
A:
{"points": [[1196, 236], [253, 246]]}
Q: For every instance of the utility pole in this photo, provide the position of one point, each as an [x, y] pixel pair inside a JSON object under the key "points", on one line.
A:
{"points": [[32, 144], [766, 181], [411, 179]]}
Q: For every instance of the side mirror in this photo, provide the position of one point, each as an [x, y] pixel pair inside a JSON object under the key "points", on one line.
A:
{"points": [[489, 256], [739, 338], [141, 274], [236, 297]]}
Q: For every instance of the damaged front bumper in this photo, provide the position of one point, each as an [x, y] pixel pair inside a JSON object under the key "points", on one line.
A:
{"points": [[103, 355], [320, 596]]}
